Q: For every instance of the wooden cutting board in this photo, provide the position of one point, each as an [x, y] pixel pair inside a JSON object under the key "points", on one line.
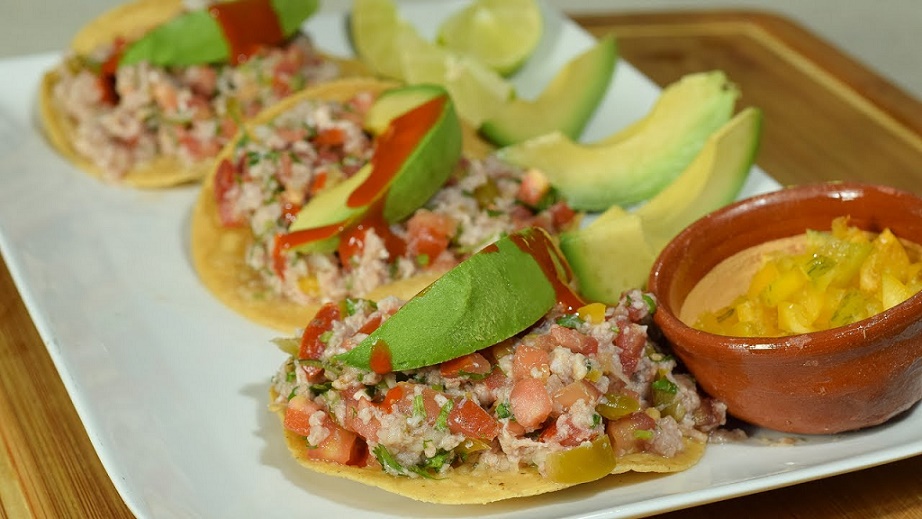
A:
{"points": [[827, 117]]}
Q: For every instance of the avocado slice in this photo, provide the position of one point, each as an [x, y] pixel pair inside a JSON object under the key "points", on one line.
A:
{"points": [[627, 169], [615, 252], [566, 104], [195, 37], [487, 298], [425, 167]]}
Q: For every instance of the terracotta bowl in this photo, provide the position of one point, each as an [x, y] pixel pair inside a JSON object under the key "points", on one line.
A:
{"points": [[823, 382]]}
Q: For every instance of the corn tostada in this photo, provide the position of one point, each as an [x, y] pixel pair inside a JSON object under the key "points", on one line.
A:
{"points": [[150, 91], [274, 236], [498, 381]]}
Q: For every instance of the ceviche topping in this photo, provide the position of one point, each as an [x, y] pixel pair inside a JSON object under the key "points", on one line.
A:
{"points": [[568, 396]]}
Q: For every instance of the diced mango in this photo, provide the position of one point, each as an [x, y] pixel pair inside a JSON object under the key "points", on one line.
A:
{"points": [[844, 275]]}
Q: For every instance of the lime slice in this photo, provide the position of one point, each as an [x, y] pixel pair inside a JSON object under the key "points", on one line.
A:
{"points": [[478, 91], [377, 34], [501, 34]]}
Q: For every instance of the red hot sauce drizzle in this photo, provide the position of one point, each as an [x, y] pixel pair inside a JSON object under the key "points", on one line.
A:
{"points": [[392, 148], [537, 245], [247, 25]]}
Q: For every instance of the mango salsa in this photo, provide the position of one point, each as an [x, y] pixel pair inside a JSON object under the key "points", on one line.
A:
{"points": [[842, 276]]}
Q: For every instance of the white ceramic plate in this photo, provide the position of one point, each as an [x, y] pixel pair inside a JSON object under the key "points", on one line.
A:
{"points": [[171, 386]]}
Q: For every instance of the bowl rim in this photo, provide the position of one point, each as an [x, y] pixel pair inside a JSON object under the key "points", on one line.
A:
{"points": [[870, 330]]}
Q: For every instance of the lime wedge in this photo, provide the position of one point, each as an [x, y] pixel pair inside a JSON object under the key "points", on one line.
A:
{"points": [[501, 34], [377, 34], [478, 91]]}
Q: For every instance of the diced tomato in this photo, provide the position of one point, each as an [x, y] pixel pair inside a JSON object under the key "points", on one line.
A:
{"points": [[341, 446], [471, 420], [223, 182], [530, 403], [351, 244], [470, 364], [530, 362], [352, 421], [402, 399], [372, 324], [533, 188], [290, 135], [109, 94], [562, 215], [311, 345], [330, 137], [628, 434], [565, 397], [428, 234], [631, 339], [290, 212], [573, 340], [318, 181], [298, 415], [566, 433]]}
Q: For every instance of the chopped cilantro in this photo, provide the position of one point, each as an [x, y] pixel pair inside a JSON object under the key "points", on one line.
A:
{"points": [[419, 407], [502, 410], [441, 423], [665, 385], [569, 321], [643, 434], [651, 303], [325, 336]]}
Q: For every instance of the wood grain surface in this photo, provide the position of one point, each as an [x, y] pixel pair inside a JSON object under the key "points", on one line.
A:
{"points": [[826, 117]]}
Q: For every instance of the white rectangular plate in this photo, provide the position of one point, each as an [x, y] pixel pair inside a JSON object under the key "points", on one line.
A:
{"points": [[172, 387]]}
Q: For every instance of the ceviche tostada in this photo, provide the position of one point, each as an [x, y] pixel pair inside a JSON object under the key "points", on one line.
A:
{"points": [[355, 188], [150, 91], [497, 381]]}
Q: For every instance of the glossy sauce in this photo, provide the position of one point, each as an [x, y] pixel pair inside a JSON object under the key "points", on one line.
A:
{"points": [[247, 25], [392, 149], [556, 270], [380, 360]]}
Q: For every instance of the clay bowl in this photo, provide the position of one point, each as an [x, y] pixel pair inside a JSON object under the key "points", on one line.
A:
{"points": [[823, 382]]}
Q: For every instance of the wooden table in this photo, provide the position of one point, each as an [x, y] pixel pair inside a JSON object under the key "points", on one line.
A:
{"points": [[826, 117]]}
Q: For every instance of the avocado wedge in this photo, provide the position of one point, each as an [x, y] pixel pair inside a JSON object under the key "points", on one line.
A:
{"points": [[628, 168], [566, 104], [196, 37], [489, 297], [414, 156], [615, 251]]}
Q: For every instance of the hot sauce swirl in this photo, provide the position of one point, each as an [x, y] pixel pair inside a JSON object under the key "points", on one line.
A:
{"points": [[247, 25], [392, 149]]}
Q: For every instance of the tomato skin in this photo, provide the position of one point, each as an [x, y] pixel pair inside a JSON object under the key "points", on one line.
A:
{"points": [[341, 446], [223, 182], [530, 362], [470, 364], [573, 340], [298, 414], [530, 403], [311, 345], [623, 432], [631, 341], [471, 420], [429, 234]]}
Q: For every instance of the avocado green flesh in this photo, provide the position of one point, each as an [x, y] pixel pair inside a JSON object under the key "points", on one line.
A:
{"points": [[616, 251], [608, 256], [195, 37], [427, 168], [565, 105], [484, 300], [329, 207], [713, 180], [392, 103], [596, 176], [423, 173]]}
